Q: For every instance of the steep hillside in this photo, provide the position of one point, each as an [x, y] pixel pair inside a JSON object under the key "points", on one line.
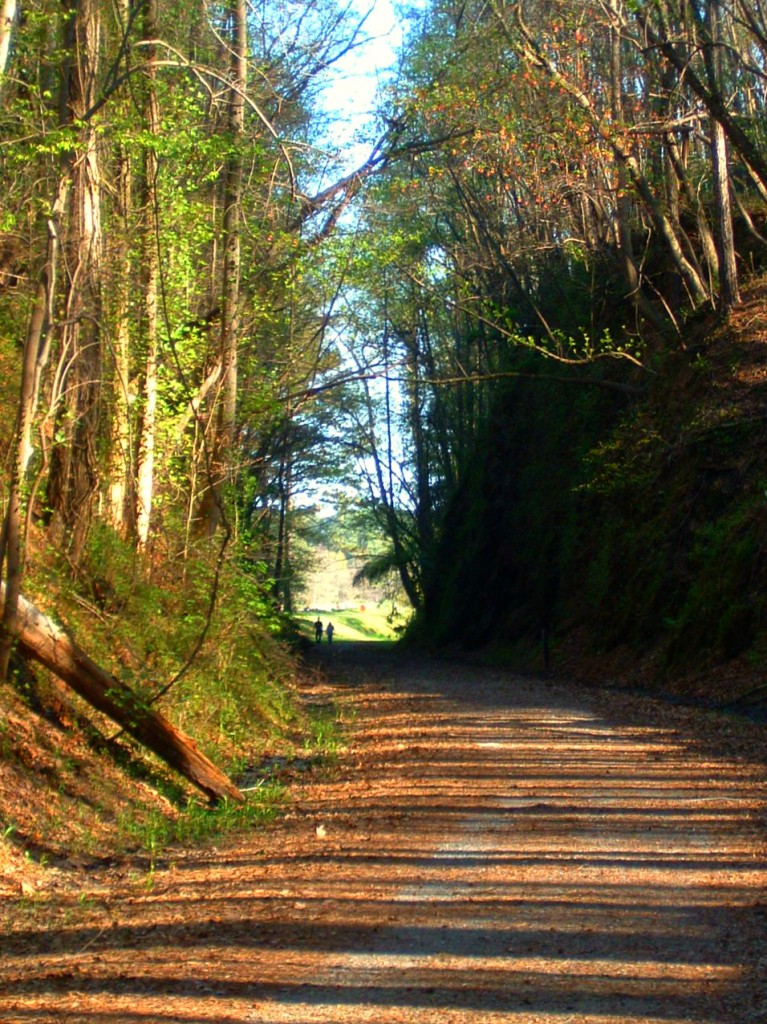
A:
{"points": [[75, 789], [67, 800], [634, 524]]}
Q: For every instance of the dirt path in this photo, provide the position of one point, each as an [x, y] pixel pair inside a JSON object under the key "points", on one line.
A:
{"points": [[489, 850]]}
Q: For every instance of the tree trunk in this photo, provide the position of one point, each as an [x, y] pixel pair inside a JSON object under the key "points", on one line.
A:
{"points": [[221, 453], [49, 644], [678, 160], [422, 432], [380, 491], [74, 469], [119, 455], [145, 468], [282, 582], [728, 271], [623, 203], [729, 294], [11, 546], [9, 10], [35, 357]]}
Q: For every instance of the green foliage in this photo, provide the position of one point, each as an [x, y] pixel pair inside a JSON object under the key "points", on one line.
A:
{"points": [[378, 568], [724, 606], [511, 530]]}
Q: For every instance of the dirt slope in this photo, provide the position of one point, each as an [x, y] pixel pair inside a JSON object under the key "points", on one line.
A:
{"points": [[490, 849]]}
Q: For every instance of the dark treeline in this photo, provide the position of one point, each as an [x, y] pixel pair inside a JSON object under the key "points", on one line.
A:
{"points": [[581, 208]]}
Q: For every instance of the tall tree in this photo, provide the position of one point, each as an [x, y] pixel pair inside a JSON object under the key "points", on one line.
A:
{"points": [[75, 472], [150, 242], [119, 459], [712, 48], [222, 439]]}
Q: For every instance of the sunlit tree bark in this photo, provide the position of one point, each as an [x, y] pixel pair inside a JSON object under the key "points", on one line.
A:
{"points": [[151, 283], [119, 461], [9, 10], [75, 470], [221, 448]]}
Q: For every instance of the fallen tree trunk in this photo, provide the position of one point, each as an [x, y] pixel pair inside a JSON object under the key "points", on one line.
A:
{"points": [[44, 641]]}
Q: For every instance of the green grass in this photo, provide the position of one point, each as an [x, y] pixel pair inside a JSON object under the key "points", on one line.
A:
{"points": [[154, 832], [370, 623]]}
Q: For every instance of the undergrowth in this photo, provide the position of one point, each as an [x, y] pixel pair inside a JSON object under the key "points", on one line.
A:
{"points": [[154, 832], [223, 672], [219, 669], [324, 735]]}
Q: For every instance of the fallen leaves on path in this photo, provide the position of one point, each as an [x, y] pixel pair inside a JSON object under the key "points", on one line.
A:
{"points": [[489, 849]]}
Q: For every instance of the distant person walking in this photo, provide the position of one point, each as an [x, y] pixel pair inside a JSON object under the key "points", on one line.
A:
{"points": [[318, 630], [330, 631]]}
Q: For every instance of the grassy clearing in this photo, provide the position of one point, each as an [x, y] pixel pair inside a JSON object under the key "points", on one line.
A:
{"points": [[358, 624]]}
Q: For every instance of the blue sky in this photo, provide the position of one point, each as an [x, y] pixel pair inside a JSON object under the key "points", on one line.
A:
{"points": [[351, 94]]}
